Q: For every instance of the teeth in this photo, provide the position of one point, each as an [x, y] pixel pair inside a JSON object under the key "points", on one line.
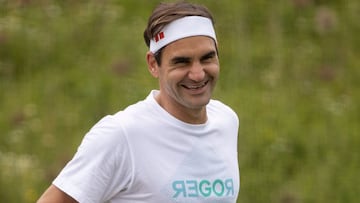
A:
{"points": [[196, 87]]}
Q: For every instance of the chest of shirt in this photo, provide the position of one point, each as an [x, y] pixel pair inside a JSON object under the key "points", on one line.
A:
{"points": [[183, 168]]}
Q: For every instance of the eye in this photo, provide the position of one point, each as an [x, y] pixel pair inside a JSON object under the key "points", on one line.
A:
{"points": [[180, 61], [208, 57]]}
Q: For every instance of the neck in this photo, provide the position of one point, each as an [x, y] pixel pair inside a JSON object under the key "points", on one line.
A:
{"points": [[187, 115]]}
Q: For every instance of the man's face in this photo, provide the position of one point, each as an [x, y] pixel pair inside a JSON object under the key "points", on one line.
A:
{"points": [[188, 73]]}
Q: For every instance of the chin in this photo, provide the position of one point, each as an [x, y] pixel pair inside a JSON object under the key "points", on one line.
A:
{"points": [[198, 103]]}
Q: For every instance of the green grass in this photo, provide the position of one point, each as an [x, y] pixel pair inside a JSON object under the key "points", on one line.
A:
{"points": [[289, 69]]}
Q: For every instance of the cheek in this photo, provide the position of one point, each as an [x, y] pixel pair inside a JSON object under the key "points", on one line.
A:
{"points": [[176, 75], [168, 79], [214, 70]]}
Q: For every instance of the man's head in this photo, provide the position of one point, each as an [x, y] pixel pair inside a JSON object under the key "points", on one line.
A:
{"points": [[183, 56], [165, 14]]}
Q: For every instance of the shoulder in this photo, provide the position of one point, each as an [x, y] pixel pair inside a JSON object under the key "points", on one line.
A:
{"points": [[115, 123], [219, 108], [104, 138], [113, 129], [222, 114]]}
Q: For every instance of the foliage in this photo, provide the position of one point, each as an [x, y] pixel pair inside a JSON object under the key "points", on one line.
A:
{"points": [[288, 68]]}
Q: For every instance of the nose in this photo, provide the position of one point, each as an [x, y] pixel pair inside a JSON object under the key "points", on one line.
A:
{"points": [[196, 72]]}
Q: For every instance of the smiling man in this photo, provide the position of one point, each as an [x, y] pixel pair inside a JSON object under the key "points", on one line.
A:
{"points": [[187, 76], [178, 144]]}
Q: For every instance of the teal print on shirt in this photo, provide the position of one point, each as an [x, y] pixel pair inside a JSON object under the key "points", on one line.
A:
{"points": [[203, 188]]}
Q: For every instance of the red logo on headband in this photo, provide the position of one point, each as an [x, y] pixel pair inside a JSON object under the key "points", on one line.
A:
{"points": [[159, 36]]}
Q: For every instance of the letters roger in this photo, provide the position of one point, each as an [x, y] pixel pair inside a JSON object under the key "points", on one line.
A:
{"points": [[204, 188]]}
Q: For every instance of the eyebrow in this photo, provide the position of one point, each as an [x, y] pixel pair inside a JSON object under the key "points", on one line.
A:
{"points": [[182, 59], [208, 55]]}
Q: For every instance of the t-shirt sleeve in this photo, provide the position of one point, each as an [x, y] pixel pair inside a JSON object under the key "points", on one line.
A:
{"points": [[101, 167]]}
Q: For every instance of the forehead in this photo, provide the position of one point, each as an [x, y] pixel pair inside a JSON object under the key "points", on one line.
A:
{"points": [[190, 46]]}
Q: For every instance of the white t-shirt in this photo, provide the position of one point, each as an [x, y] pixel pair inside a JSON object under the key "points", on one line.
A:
{"points": [[144, 154]]}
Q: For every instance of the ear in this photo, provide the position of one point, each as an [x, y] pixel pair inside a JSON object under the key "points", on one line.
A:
{"points": [[152, 64]]}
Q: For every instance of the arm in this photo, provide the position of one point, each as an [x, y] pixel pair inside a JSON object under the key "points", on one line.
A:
{"points": [[55, 195]]}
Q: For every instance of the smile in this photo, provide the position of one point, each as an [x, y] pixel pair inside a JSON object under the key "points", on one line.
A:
{"points": [[194, 87]]}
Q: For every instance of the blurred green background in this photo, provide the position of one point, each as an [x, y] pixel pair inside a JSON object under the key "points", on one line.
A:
{"points": [[289, 68]]}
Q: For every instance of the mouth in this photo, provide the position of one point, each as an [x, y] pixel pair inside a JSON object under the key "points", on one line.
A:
{"points": [[195, 86]]}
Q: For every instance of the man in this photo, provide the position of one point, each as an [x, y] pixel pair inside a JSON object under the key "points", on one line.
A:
{"points": [[177, 145]]}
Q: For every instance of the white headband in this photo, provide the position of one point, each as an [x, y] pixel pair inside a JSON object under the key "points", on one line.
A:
{"points": [[184, 27]]}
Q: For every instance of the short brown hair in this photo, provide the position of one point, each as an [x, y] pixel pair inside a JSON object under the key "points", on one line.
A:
{"points": [[165, 13]]}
